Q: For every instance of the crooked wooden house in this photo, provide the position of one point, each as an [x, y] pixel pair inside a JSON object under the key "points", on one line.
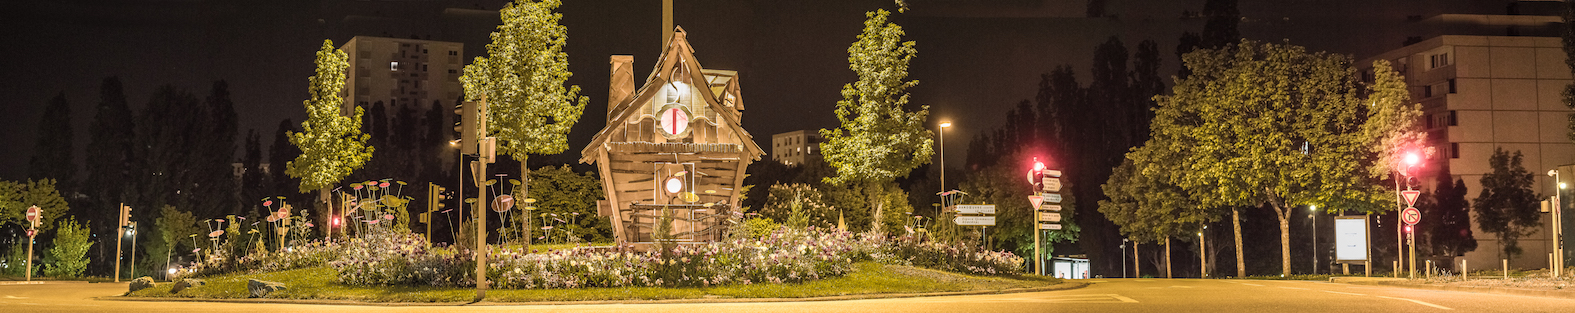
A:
{"points": [[673, 143]]}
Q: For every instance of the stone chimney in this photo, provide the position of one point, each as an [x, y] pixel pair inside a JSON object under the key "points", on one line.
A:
{"points": [[620, 85]]}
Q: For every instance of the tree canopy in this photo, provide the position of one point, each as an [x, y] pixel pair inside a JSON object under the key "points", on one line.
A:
{"points": [[331, 144]]}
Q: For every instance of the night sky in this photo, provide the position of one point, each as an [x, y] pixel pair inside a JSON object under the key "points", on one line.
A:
{"points": [[976, 58]]}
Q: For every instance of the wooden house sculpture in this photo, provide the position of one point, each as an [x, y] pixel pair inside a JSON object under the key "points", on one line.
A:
{"points": [[675, 144]]}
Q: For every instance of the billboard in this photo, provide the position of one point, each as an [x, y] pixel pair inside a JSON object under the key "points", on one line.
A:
{"points": [[1350, 238]]}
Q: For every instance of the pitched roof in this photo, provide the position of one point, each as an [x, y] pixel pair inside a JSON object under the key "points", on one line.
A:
{"points": [[678, 55]]}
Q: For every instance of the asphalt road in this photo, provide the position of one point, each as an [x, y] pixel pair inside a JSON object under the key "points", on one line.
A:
{"points": [[1104, 295]]}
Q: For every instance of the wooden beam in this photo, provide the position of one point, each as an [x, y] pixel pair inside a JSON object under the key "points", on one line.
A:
{"points": [[612, 197]]}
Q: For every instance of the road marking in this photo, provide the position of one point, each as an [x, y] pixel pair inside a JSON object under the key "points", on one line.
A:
{"points": [[14, 297], [1180, 286], [1295, 288], [1419, 302], [1252, 284], [1344, 293], [1123, 299], [1097, 281]]}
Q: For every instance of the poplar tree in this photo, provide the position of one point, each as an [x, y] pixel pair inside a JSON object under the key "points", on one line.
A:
{"points": [[332, 145], [879, 139]]}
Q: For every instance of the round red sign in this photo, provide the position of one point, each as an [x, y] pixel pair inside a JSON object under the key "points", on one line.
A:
{"points": [[1411, 216]]}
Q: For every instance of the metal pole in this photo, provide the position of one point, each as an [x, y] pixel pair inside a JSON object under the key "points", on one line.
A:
{"points": [[1399, 234], [30, 254], [120, 231], [481, 234], [1123, 258], [133, 250], [1203, 261], [1314, 217]]}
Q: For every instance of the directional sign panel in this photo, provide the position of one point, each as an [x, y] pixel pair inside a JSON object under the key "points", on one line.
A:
{"points": [[975, 220], [1050, 226], [1049, 217], [976, 209], [1052, 184], [1051, 207], [1052, 173], [1053, 198]]}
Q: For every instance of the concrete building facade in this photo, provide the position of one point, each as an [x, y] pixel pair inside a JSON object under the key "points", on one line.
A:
{"points": [[1481, 93], [402, 72], [795, 147]]}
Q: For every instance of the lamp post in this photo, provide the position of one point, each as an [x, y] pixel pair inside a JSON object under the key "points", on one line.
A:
{"points": [[942, 136], [1312, 214], [1558, 227], [1123, 258], [1203, 260]]}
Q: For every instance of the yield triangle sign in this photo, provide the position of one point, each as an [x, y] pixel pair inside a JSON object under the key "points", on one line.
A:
{"points": [[1036, 200], [1410, 197]]}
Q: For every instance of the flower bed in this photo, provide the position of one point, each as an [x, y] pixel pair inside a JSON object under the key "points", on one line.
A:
{"points": [[912, 251]]}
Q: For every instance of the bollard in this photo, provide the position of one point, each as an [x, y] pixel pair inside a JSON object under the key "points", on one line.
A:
{"points": [[1506, 268], [1397, 269], [1428, 274], [1464, 270], [1368, 265]]}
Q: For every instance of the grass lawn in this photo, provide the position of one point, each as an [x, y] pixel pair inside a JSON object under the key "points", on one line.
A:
{"points": [[870, 278]]}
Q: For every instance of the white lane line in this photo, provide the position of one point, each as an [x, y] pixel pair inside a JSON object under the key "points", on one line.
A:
{"points": [[1344, 293], [1419, 302], [1123, 298], [1295, 288]]}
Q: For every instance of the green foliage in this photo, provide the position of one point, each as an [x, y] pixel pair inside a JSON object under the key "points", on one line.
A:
{"points": [[16, 260], [69, 249], [174, 227], [1307, 139], [562, 194], [1568, 34], [16, 197], [1146, 206], [878, 140], [1445, 229], [522, 77], [1507, 206], [800, 206], [331, 145], [756, 228]]}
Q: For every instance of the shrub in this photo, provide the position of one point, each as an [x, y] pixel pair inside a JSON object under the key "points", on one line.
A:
{"points": [[69, 249], [913, 251]]}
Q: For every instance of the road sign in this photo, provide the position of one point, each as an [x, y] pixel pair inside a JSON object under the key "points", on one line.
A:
{"points": [[1051, 173], [1052, 207], [1410, 196], [1050, 226], [1036, 200], [975, 220], [976, 209], [1411, 215], [1049, 217], [1052, 184], [31, 232], [1053, 197], [32, 213]]}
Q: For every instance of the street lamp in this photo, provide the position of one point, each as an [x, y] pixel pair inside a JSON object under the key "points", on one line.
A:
{"points": [[1123, 258], [1312, 214], [1558, 227], [942, 136]]}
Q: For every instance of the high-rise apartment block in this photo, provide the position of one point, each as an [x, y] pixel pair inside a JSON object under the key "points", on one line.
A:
{"points": [[795, 147], [402, 71]]}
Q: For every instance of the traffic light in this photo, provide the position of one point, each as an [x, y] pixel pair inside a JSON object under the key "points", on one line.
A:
{"points": [[472, 120], [1408, 229], [125, 215], [1036, 176], [435, 197]]}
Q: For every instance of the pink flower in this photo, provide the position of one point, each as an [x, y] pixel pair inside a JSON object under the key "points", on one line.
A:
{"points": [[388, 216], [268, 203], [356, 187], [383, 185], [215, 234]]}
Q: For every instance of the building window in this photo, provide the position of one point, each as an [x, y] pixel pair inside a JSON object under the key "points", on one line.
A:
{"points": [[1454, 150], [451, 52], [1451, 85], [1429, 121], [1427, 91], [365, 54], [1453, 121], [423, 67], [1438, 60], [393, 66]]}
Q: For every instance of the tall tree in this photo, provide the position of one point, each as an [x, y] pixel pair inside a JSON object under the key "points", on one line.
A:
{"points": [[1189, 41], [1568, 34], [166, 151], [1110, 93], [1446, 225], [879, 139], [1146, 83], [332, 146], [1507, 206], [214, 191], [109, 160], [1309, 140], [523, 78], [1220, 24], [280, 152], [254, 178], [52, 158], [16, 197]]}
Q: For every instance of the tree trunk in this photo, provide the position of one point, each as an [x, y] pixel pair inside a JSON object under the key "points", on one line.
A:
{"points": [[325, 212], [1283, 214], [874, 192], [1241, 263], [524, 193], [1137, 266], [1167, 258]]}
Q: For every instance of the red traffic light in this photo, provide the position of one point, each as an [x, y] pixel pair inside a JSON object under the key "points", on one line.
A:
{"points": [[1408, 229], [1412, 158]]}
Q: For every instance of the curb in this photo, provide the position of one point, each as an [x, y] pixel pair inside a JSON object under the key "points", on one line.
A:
{"points": [[42, 282], [1494, 290], [1061, 286]]}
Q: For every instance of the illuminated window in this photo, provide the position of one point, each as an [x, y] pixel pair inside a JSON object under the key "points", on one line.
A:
{"points": [[393, 66]]}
